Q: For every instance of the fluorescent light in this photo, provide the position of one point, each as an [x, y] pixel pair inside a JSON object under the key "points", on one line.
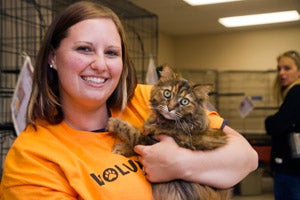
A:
{"points": [[266, 18], [204, 2]]}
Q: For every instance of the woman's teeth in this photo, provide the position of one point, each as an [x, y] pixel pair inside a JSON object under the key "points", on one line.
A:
{"points": [[94, 79]]}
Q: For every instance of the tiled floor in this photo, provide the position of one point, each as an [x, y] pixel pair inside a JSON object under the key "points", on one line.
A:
{"points": [[266, 190], [265, 196]]}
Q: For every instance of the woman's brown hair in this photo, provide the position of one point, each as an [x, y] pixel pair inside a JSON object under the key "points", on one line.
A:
{"points": [[44, 102]]}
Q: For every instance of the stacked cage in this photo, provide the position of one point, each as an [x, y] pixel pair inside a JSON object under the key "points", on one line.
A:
{"points": [[22, 26]]}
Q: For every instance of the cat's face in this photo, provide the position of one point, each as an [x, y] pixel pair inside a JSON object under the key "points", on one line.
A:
{"points": [[176, 98]]}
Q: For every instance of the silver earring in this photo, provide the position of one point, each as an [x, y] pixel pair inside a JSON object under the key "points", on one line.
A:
{"points": [[50, 65]]}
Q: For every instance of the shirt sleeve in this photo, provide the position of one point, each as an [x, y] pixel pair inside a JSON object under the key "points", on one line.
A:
{"points": [[28, 174], [215, 120]]}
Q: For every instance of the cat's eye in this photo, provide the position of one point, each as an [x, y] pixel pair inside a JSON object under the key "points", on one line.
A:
{"points": [[184, 101], [167, 93]]}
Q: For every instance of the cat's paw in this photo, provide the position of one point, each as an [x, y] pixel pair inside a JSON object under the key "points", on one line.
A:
{"points": [[118, 148], [112, 124], [123, 149]]}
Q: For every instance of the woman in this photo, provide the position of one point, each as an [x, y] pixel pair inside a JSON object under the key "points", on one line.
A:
{"points": [[82, 77], [287, 89]]}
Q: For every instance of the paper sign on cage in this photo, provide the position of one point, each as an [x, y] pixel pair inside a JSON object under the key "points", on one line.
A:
{"points": [[21, 96], [245, 107], [151, 75]]}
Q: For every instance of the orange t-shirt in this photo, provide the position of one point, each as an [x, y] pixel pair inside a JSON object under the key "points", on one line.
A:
{"points": [[58, 162]]}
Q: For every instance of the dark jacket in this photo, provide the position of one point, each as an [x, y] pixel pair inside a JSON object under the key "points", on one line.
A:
{"points": [[279, 125]]}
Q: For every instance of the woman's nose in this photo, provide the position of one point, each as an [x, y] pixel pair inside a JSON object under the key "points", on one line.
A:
{"points": [[281, 71], [98, 62]]}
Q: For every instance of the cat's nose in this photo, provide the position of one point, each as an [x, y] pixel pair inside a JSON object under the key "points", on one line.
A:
{"points": [[171, 109]]}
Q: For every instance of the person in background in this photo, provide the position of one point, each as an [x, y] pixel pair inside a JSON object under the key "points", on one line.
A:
{"points": [[286, 120], [83, 76]]}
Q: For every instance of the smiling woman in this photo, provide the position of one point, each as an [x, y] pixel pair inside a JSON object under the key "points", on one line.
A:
{"points": [[82, 72], [89, 65]]}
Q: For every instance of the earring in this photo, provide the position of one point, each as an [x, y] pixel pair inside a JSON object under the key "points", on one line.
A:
{"points": [[50, 65]]}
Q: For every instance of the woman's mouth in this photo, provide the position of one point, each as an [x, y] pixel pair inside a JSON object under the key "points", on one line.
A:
{"points": [[95, 80]]}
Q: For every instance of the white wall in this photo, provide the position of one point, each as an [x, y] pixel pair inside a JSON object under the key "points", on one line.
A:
{"points": [[248, 50], [166, 49]]}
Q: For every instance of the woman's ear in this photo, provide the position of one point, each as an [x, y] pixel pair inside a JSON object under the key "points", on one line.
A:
{"points": [[52, 58]]}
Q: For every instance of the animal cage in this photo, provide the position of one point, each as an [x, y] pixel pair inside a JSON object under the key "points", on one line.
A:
{"points": [[22, 26]]}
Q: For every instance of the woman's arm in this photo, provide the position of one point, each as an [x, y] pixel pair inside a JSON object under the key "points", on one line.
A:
{"points": [[221, 168], [281, 122]]}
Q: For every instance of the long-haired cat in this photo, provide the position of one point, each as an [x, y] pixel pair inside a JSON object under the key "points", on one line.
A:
{"points": [[178, 110]]}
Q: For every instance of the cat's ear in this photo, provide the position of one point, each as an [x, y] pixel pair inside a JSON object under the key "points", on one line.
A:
{"points": [[202, 91], [167, 73]]}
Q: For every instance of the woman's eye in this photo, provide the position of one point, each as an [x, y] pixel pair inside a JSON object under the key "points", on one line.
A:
{"points": [[167, 93], [184, 101], [112, 53], [286, 68], [84, 49]]}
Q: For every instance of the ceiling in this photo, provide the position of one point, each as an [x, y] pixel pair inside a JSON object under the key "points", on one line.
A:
{"points": [[178, 18]]}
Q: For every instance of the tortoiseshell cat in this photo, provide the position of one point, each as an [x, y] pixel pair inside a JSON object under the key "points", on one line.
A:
{"points": [[178, 110]]}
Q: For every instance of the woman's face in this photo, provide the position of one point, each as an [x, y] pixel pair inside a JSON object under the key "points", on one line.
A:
{"points": [[89, 63], [287, 71]]}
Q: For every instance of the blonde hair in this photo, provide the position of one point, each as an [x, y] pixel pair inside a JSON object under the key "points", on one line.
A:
{"points": [[44, 102], [278, 90]]}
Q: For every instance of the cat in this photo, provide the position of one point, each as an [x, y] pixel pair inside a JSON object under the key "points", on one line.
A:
{"points": [[178, 110]]}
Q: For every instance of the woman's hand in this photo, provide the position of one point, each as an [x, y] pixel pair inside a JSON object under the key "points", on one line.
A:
{"points": [[160, 159]]}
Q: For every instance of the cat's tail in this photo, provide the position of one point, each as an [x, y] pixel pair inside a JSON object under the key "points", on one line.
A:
{"points": [[215, 194], [182, 190]]}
